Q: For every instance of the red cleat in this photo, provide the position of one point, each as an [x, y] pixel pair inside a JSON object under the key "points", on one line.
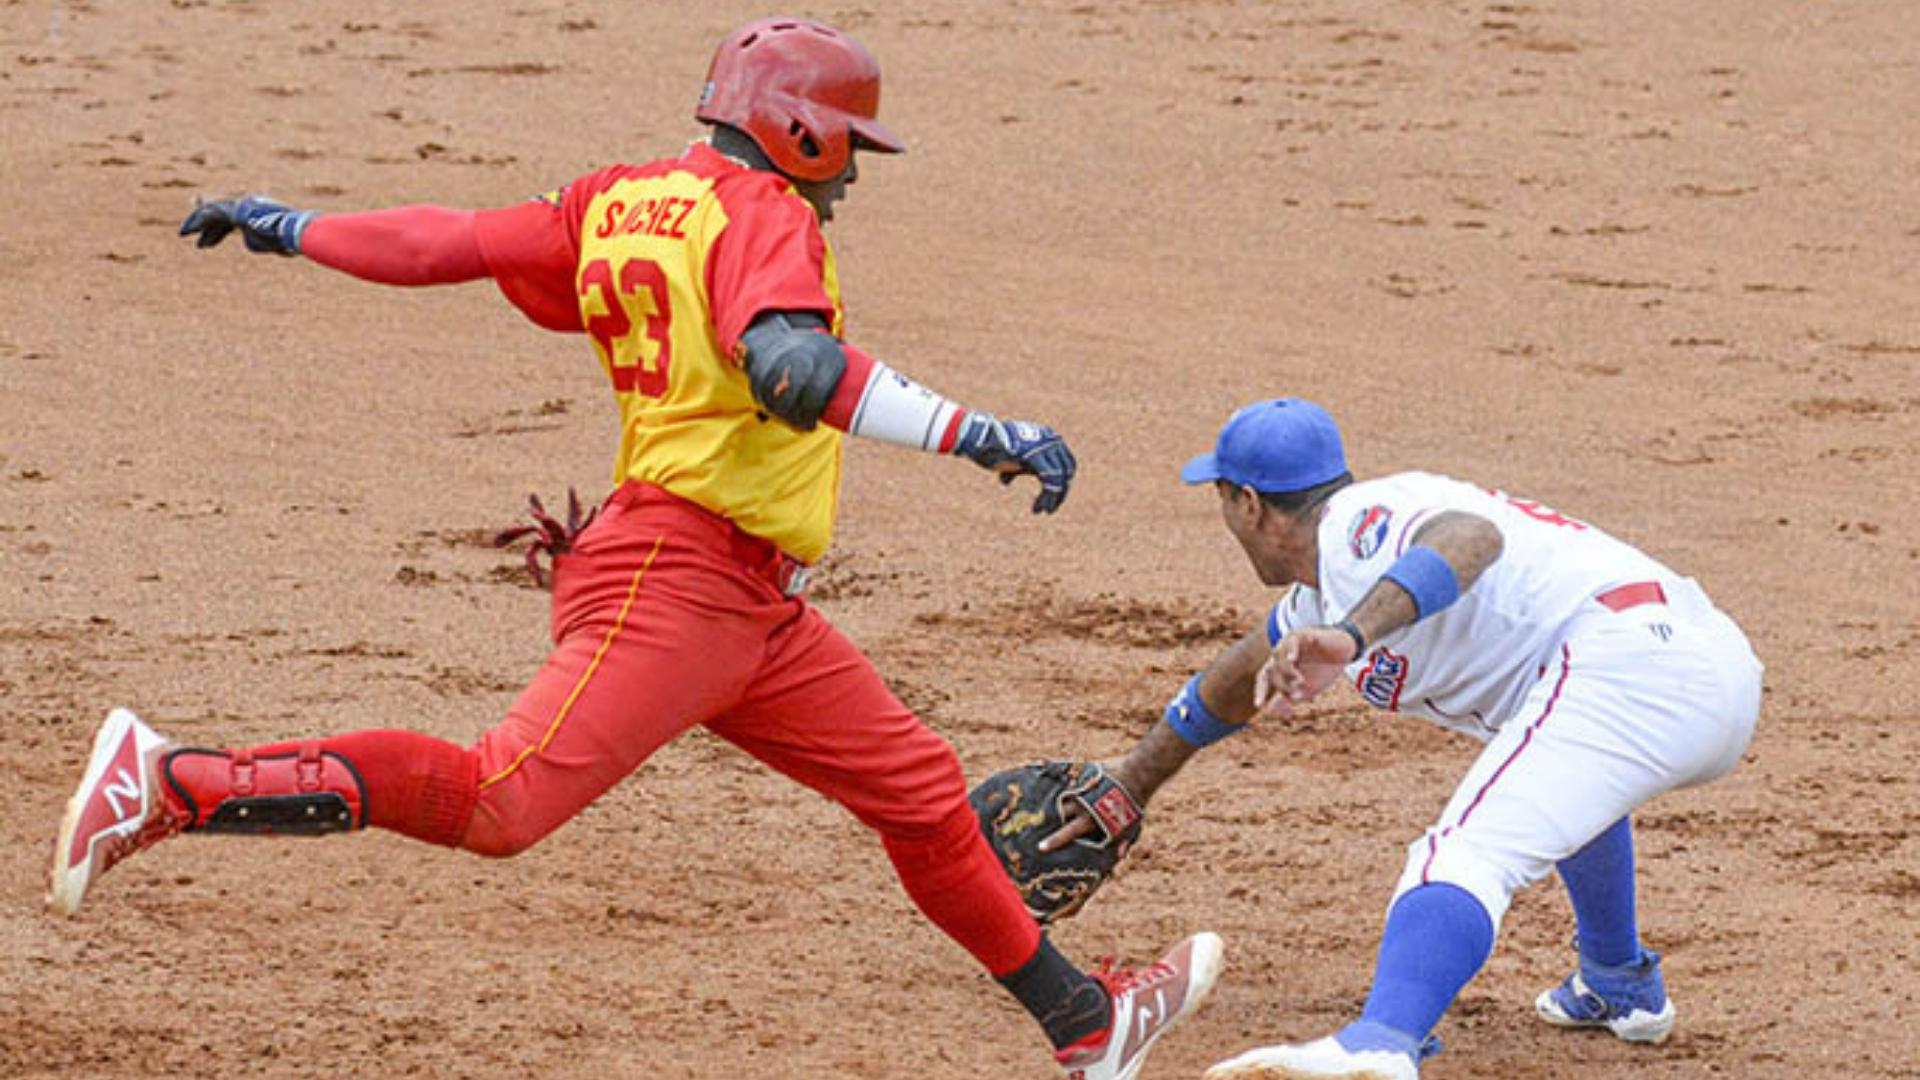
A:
{"points": [[118, 809], [1145, 1004]]}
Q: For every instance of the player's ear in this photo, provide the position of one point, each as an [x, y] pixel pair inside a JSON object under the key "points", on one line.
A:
{"points": [[1250, 503]]}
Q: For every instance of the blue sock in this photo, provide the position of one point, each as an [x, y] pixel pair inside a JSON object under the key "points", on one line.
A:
{"points": [[1599, 879], [1437, 937]]}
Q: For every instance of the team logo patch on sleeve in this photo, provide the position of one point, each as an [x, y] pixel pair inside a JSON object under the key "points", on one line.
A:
{"points": [[1368, 531], [1381, 681]]}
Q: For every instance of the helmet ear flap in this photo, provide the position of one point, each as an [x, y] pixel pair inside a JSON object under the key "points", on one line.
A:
{"points": [[808, 148], [820, 144]]}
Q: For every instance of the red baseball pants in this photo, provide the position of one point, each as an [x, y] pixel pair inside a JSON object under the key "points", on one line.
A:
{"points": [[666, 616]]}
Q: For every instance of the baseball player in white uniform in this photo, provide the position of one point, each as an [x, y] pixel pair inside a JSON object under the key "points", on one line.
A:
{"points": [[1597, 678]]}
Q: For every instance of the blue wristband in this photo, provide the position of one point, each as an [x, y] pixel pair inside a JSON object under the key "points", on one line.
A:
{"points": [[1427, 577], [1190, 718]]}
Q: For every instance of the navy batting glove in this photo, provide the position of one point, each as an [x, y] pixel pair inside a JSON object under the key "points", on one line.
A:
{"points": [[266, 226], [1018, 448]]}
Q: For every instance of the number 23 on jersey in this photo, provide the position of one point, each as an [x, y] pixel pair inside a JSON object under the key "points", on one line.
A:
{"points": [[630, 327]]}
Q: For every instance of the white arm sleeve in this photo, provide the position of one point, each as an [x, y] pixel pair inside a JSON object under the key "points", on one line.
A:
{"points": [[895, 409]]}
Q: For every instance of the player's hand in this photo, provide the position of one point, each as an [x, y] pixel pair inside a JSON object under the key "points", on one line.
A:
{"points": [[1303, 664], [1079, 823], [1019, 448], [266, 226]]}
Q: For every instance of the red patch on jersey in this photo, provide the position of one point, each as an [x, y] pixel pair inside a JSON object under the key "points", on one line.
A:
{"points": [[1381, 681]]}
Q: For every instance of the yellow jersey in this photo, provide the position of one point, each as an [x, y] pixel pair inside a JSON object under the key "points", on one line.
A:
{"points": [[663, 266]]}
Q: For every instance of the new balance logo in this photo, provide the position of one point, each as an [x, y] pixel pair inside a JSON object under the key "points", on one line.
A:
{"points": [[122, 785], [1149, 1014]]}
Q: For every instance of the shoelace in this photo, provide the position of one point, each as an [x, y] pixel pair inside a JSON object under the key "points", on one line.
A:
{"points": [[162, 823], [549, 534], [1120, 980]]}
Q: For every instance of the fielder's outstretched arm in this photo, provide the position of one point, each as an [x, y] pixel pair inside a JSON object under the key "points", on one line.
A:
{"points": [[1257, 677], [1224, 696], [1224, 691]]}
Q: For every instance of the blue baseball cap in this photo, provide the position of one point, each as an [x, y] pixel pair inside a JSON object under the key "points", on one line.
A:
{"points": [[1276, 446]]}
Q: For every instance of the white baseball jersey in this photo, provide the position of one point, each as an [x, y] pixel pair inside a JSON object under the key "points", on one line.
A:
{"points": [[1597, 677], [1467, 667]]}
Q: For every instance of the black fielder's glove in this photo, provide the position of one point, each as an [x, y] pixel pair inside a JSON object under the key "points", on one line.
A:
{"points": [[1020, 807]]}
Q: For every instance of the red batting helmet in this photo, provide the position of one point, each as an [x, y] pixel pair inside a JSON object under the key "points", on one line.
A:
{"points": [[803, 91]]}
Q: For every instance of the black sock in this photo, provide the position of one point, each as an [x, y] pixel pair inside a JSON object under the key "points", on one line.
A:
{"points": [[1069, 1004]]}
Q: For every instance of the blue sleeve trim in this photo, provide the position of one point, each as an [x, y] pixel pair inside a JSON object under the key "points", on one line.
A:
{"points": [[1190, 718], [1274, 633], [1427, 577]]}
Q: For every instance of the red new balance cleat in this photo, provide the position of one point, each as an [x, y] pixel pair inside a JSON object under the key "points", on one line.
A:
{"points": [[1145, 1004], [117, 810]]}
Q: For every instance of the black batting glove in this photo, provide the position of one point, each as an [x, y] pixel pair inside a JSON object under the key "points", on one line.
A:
{"points": [[266, 226], [1019, 448]]}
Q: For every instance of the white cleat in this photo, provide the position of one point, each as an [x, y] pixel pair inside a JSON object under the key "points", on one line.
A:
{"points": [[117, 810], [1317, 1060], [1629, 1000], [1573, 1004]]}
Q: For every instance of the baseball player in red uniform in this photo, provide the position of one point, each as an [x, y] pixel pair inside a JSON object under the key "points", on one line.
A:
{"points": [[710, 297]]}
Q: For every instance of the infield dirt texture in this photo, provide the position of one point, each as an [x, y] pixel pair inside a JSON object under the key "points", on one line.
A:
{"points": [[1652, 263]]}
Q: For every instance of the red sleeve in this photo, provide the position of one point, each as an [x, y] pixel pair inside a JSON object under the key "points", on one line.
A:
{"points": [[769, 257], [533, 253], [407, 245], [853, 387]]}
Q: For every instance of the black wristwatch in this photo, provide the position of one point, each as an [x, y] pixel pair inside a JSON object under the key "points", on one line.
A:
{"points": [[1359, 639]]}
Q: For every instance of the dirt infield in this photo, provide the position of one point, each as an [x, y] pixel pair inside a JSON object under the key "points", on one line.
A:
{"points": [[1652, 263]]}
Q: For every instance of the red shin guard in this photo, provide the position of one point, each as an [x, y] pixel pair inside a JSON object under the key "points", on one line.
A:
{"points": [[302, 791], [411, 783]]}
